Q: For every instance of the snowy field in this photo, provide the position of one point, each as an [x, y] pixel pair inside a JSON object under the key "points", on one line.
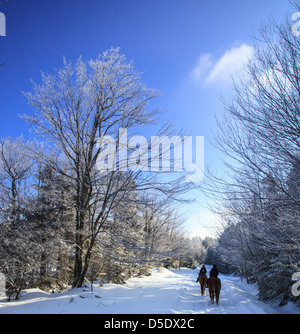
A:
{"points": [[165, 292]]}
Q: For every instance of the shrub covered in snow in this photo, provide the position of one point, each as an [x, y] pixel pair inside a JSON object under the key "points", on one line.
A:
{"points": [[2, 285]]}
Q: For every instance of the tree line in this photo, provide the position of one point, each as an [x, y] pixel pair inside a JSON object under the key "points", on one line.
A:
{"points": [[260, 136]]}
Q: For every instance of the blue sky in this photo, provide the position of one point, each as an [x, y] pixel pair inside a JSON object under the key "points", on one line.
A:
{"points": [[187, 48]]}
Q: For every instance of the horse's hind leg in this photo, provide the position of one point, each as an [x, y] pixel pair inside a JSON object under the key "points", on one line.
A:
{"points": [[218, 291], [202, 289], [218, 297], [212, 297]]}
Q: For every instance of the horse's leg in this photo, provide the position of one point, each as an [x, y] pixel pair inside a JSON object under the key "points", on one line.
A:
{"points": [[218, 293], [201, 285], [217, 298], [219, 289], [211, 295]]}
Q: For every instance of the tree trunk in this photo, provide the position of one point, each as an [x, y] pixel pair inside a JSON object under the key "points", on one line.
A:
{"points": [[84, 265], [78, 247]]}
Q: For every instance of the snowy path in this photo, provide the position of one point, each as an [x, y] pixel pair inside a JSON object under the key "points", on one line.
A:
{"points": [[165, 292]]}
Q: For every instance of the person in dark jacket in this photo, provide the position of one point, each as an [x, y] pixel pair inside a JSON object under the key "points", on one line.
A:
{"points": [[202, 272], [214, 272]]}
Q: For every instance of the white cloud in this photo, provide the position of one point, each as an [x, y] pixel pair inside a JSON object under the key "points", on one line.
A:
{"points": [[202, 68], [231, 64]]}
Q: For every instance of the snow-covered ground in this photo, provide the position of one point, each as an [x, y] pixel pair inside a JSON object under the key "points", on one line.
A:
{"points": [[165, 292]]}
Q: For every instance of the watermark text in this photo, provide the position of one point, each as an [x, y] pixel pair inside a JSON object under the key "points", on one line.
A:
{"points": [[160, 154], [295, 26], [2, 24]]}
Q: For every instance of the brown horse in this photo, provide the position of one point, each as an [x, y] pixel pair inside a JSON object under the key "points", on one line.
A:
{"points": [[214, 286], [202, 280]]}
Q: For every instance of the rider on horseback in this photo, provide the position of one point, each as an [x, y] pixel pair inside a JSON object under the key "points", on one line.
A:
{"points": [[214, 285], [201, 273], [213, 273]]}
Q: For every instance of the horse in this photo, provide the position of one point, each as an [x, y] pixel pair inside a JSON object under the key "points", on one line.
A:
{"points": [[214, 286], [202, 280]]}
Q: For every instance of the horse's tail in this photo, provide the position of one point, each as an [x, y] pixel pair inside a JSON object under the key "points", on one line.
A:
{"points": [[214, 286]]}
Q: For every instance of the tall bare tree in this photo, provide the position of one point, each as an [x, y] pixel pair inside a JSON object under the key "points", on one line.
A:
{"points": [[75, 107]]}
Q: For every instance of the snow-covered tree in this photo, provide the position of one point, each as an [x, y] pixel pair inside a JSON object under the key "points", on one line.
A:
{"points": [[49, 214], [17, 249], [260, 136], [77, 106], [2, 285]]}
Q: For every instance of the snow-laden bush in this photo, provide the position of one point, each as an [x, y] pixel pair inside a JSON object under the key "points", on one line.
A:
{"points": [[2, 285]]}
